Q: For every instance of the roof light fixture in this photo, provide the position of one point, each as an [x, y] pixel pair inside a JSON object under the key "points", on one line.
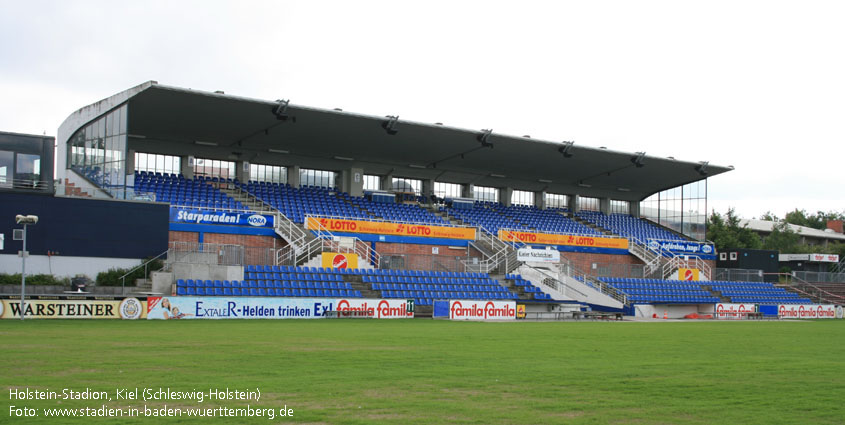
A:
{"points": [[566, 149]]}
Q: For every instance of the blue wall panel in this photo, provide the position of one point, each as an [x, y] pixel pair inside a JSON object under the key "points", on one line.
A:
{"points": [[441, 309], [85, 227]]}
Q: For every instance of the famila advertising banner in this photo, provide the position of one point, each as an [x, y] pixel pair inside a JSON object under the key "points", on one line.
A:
{"points": [[164, 308], [726, 311], [807, 311], [387, 228], [482, 310]]}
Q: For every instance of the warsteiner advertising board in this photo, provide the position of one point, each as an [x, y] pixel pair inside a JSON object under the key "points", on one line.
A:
{"points": [[74, 308]]}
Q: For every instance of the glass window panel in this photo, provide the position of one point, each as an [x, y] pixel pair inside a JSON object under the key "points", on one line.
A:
{"points": [[155, 163], [89, 152], [619, 207], [683, 209], [28, 167], [372, 182], [114, 119], [487, 194], [109, 131], [588, 204], [322, 178], [267, 173], [406, 185], [123, 118], [447, 190], [214, 168], [554, 200], [521, 197], [7, 162]]}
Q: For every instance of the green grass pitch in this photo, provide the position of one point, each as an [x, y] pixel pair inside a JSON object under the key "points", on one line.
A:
{"points": [[425, 371]]}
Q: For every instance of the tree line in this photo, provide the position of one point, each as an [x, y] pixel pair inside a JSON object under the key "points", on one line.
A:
{"points": [[727, 232]]}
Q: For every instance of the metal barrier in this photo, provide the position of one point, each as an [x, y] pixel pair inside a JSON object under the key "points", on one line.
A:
{"points": [[205, 253], [737, 275], [819, 277], [425, 262], [635, 271], [326, 241], [25, 184], [504, 254]]}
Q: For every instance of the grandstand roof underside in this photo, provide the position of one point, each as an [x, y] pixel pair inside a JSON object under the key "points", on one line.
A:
{"points": [[171, 120]]}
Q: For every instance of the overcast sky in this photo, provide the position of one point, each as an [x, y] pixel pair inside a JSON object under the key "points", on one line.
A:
{"points": [[758, 85]]}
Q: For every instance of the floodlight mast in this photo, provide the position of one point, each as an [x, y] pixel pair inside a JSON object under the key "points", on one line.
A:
{"points": [[25, 220]]}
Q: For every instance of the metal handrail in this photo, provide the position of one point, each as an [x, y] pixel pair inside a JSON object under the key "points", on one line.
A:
{"points": [[144, 265], [282, 225], [599, 285], [651, 257], [828, 296], [677, 261], [791, 279], [241, 191], [233, 210], [24, 184], [501, 254], [324, 235]]}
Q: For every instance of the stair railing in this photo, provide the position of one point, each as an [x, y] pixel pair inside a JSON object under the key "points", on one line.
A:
{"points": [[145, 265]]}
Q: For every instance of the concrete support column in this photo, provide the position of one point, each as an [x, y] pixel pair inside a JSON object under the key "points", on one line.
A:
{"points": [[353, 181], [573, 203], [540, 199], [467, 191], [129, 166], [387, 182], [505, 194], [242, 171], [604, 205], [634, 209], [129, 163], [293, 176], [185, 167], [428, 188]]}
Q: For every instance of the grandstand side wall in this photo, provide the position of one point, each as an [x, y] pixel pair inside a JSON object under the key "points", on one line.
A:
{"points": [[424, 257], [584, 260], [250, 241], [82, 227]]}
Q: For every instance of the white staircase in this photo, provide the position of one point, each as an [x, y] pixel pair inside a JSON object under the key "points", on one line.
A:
{"points": [[663, 264], [308, 245], [497, 255], [564, 284]]}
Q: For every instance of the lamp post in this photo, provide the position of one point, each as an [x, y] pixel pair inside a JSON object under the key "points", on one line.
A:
{"points": [[25, 220]]}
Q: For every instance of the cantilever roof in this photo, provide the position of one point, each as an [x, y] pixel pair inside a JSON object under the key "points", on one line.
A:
{"points": [[172, 120]]}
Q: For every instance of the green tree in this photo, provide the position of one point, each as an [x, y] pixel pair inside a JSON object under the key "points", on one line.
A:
{"points": [[816, 221], [782, 239], [727, 233], [769, 216]]}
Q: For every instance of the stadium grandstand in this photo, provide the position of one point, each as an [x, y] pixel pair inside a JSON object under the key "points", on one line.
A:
{"points": [[243, 197]]}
